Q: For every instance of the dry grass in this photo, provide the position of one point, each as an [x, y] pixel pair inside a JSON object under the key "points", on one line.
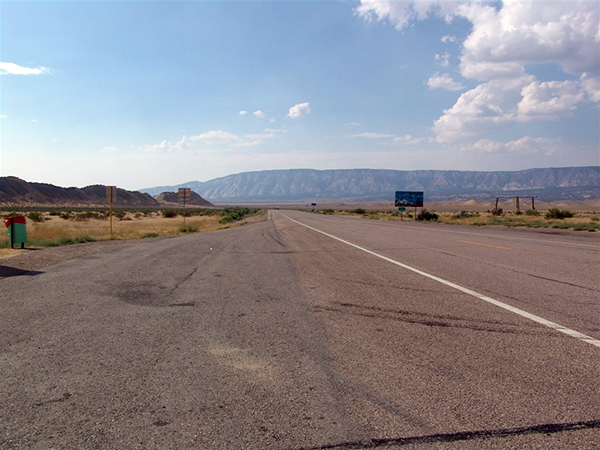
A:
{"points": [[583, 221], [54, 230]]}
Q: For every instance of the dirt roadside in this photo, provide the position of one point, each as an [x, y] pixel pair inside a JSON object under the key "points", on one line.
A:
{"points": [[28, 260], [21, 261]]}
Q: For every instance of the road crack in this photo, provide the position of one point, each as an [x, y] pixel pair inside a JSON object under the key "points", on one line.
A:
{"points": [[548, 428]]}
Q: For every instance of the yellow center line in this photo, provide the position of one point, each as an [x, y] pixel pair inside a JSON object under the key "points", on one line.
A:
{"points": [[484, 245]]}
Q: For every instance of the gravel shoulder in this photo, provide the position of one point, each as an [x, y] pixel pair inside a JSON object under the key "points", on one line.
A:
{"points": [[29, 260], [21, 261]]}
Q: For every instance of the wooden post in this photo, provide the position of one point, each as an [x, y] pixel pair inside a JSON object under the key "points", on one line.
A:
{"points": [[518, 206], [111, 212], [532, 203]]}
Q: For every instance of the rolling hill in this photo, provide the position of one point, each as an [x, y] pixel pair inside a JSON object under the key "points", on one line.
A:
{"points": [[17, 192]]}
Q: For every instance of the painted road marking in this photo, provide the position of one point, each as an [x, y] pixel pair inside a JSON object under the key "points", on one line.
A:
{"points": [[484, 245], [407, 224], [520, 312]]}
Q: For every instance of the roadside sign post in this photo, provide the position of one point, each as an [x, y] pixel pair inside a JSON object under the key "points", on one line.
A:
{"points": [[401, 209], [409, 198], [184, 197], [111, 194], [313, 205]]}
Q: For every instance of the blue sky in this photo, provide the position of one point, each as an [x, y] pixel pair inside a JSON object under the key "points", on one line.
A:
{"points": [[145, 94]]}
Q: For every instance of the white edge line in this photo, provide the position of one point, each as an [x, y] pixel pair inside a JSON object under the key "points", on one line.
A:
{"points": [[520, 312]]}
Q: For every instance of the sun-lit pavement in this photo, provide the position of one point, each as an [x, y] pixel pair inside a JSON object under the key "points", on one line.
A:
{"points": [[274, 335]]}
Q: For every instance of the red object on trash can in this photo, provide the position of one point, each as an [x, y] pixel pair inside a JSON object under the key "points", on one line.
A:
{"points": [[16, 219]]}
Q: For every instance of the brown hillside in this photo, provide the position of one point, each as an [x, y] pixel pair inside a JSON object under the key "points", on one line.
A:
{"points": [[173, 197], [17, 192]]}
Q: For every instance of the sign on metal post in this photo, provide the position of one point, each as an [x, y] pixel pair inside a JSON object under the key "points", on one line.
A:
{"points": [[185, 195], [409, 198], [111, 198]]}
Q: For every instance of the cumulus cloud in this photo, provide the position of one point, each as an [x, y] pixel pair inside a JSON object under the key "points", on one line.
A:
{"points": [[444, 81], [481, 109], [505, 39], [7, 68], [299, 110], [243, 112], [549, 100], [258, 113], [448, 38]]}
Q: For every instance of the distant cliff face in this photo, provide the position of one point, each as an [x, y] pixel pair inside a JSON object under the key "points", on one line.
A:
{"points": [[570, 183], [15, 192]]}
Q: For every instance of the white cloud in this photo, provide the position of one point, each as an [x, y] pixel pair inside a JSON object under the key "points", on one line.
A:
{"points": [[444, 81], [524, 146], [590, 83], [444, 59], [481, 109], [243, 112], [390, 138], [408, 139], [549, 100], [7, 68], [370, 135], [3, 116], [258, 113], [506, 38], [107, 149], [401, 14], [216, 140], [448, 38], [271, 120], [299, 110]]}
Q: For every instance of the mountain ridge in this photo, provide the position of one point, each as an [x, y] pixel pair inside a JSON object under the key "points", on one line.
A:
{"points": [[549, 184], [17, 192]]}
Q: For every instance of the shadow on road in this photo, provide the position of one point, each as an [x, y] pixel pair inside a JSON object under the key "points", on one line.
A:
{"points": [[464, 436], [6, 271]]}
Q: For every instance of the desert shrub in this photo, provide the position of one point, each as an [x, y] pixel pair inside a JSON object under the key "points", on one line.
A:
{"points": [[120, 214], [465, 215], [86, 215], [65, 215], [150, 235], [586, 226], [188, 229], [561, 226], [427, 216], [497, 212], [556, 213], [169, 213], [359, 211], [325, 211], [35, 216], [532, 212], [595, 218], [232, 216]]}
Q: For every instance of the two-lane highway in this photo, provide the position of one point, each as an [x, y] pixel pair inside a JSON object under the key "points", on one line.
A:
{"points": [[308, 331]]}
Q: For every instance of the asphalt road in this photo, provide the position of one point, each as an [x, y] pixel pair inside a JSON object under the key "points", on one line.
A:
{"points": [[275, 335]]}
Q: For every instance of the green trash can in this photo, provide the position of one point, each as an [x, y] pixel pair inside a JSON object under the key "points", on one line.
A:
{"points": [[17, 230]]}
